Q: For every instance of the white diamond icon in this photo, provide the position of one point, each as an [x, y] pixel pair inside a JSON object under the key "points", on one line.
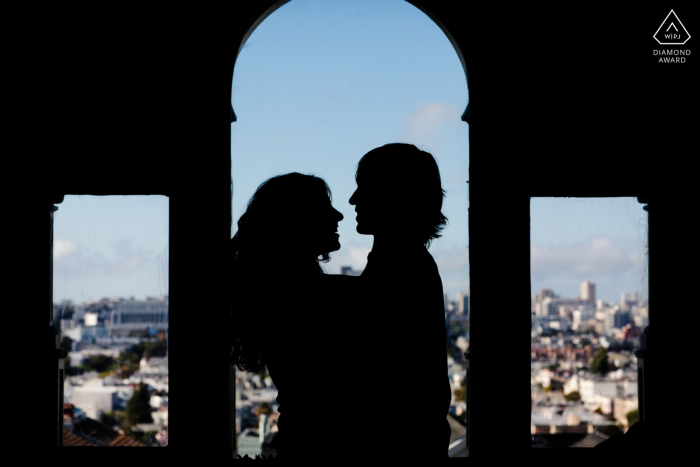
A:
{"points": [[671, 31]]}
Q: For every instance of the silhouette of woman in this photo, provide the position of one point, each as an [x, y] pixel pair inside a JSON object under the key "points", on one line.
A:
{"points": [[281, 302]]}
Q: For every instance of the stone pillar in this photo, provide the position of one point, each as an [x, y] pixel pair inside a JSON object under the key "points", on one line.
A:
{"points": [[55, 355]]}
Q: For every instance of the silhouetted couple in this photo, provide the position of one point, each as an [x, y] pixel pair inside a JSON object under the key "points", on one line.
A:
{"points": [[359, 363]]}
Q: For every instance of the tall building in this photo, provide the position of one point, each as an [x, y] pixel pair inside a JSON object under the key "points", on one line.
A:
{"points": [[349, 271], [622, 318], [463, 303], [628, 300], [544, 293], [588, 292]]}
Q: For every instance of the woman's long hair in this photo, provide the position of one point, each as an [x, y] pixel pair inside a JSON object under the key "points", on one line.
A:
{"points": [[267, 230]]}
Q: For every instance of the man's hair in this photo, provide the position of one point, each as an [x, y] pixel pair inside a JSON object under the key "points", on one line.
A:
{"points": [[412, 172]]}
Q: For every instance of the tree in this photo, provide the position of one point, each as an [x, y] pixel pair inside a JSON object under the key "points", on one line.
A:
{"points": [[112, 418], [138, 409], [129, 361], [263, 374], [632, 417], [611, 430], [573, 396], [461, 392], [156, 349], [263, 409], [600, 364], [102, 363]]}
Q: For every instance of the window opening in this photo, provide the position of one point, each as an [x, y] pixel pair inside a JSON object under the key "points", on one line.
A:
{"points": [[110, 283], [589, 276], [315, 87]]}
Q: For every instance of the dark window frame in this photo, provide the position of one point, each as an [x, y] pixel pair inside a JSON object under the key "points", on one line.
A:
{"points": [[644, 200], [487, 122]]}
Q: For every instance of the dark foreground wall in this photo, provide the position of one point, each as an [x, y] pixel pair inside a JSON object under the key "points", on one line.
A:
{"points": [[138, 102]]}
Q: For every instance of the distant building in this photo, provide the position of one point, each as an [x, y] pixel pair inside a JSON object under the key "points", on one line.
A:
{"points": [[555, 306], [590, 388], [628, 300], [588, 292], [348, 271], [621, 319], [559, 325], [570, 419], [621, 406], [544, 293], [463, 303], [609, 322], [95, 400], [641, 321], [138, 316], [462, 343], [604, 403], [153, 367], [90, 319]]}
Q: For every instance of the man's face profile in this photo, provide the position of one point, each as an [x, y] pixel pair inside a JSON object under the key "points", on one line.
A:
{"points": [[364, 200], [377, 210]]}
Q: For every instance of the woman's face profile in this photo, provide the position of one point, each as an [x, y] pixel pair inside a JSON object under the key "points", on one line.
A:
{"points": [[321, 228]]}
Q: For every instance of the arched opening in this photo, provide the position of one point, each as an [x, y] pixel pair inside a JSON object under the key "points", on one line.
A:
{"points": [[316, 86]]}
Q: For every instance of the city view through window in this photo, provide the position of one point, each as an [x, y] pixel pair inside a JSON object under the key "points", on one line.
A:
{"points": [[110, 288], [319, 84], [589, 272]]}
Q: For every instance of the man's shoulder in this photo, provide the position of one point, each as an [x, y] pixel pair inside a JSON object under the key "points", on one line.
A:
{"points": [[421, 262]]}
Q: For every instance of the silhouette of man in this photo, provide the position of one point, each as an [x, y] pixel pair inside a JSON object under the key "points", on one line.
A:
{"points": [[402, 350]]}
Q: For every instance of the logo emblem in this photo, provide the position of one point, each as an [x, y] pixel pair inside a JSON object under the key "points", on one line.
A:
{"points": [[671, 31]]}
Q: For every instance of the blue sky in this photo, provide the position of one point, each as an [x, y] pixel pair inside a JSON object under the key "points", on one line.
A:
{"points": [[603, 241], [317, 85], [110, 246]]}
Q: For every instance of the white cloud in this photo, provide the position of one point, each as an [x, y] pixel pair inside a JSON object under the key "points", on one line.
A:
{"points": [[63, 248], [126, 260], [133, 263], [70, 258], [599, 255], [422, 123]]}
